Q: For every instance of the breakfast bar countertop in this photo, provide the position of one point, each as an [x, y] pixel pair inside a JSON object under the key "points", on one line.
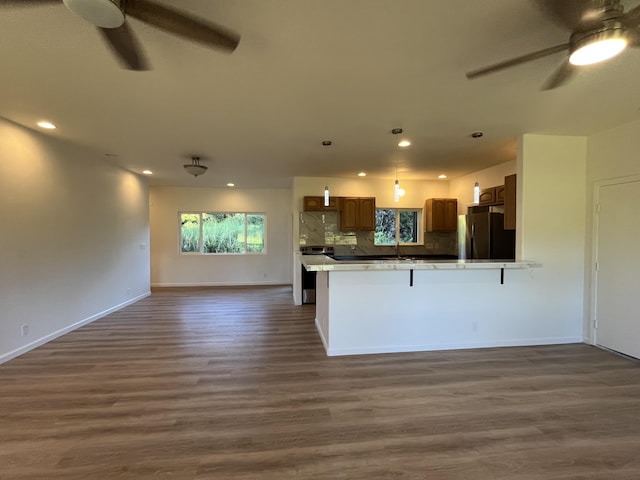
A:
{"points": [[323, 263]]}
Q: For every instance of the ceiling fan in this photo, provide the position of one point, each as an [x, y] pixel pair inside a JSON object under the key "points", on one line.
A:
{"points": [[109, 16], [599, 30]]}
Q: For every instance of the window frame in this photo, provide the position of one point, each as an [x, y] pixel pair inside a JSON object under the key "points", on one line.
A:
{"points": [[201, 234], [420, 234]]}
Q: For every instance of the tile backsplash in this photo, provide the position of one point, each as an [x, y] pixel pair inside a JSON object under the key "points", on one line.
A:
{"points": [[322, 228]]}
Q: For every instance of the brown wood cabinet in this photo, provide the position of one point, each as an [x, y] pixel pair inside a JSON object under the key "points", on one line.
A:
{"points": [[441, 215], [357, 213], [510, 183], [317, 204], [492, 195]]}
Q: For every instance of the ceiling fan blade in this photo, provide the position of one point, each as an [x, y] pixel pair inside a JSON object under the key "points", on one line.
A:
{"points": [[186, 26], [561, 76], [517, 61], [26, 3], [631, 19], [125, 46]]}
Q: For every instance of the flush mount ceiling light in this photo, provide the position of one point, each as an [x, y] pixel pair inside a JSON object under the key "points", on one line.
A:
{"points": [[147, 172], [47, 125], [194, 168], [599, 46], [102, 13]]}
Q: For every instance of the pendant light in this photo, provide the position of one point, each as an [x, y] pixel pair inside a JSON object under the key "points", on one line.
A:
{"points": [[326, 143], [476, 193], [397, 190]]}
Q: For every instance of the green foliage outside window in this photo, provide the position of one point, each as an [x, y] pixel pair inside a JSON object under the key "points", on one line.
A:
{"points": [[190, 232], [255, 233], [222, 232], [385, 226], [394, 225]]}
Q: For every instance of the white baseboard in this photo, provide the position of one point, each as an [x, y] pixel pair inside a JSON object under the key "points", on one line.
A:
{"points": [[47, 338], [221, 284], [331, 352]]}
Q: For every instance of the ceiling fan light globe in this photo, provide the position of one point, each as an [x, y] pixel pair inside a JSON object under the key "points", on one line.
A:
{"points": [[101, 13], [596, 49]]}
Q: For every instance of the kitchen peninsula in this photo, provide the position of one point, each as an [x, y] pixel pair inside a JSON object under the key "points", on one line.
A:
{"points": [[402, 305]]}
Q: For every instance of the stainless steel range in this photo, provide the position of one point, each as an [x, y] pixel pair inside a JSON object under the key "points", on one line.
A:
{"points": [[309, 278]]}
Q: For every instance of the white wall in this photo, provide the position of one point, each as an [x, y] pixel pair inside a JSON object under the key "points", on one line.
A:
{"points": [[462, 187], [611, 154], [74, 241], [170, 268], [551, 224]]}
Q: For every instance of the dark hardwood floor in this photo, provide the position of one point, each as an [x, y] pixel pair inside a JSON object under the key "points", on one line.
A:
{"points": [[233, 383]]}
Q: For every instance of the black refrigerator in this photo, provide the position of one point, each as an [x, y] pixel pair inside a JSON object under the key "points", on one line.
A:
{"points": [[482, 236]]}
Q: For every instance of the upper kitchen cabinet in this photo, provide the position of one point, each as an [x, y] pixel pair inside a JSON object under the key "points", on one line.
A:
{"points": [[311, 204], [492, 196], [441, 215], [357, 213], [510, 202]]}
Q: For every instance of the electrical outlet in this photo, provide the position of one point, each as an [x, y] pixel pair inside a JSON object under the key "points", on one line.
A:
{"points": [[24, 330]]}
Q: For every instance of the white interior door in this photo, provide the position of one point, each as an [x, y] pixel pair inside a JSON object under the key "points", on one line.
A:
{"points": [[617, 285]]}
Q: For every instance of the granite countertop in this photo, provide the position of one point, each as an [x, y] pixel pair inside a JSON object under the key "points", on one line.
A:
{"points": [[322, 263]]}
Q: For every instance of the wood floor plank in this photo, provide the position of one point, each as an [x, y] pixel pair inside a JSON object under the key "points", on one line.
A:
{"points": [[233, 383]]}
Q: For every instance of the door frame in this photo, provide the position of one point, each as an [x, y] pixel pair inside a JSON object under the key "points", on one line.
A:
{"points": [[593, 304]]}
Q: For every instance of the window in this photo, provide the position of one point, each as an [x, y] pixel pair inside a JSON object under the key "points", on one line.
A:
{"points": [[218, 232], [397, 225]]}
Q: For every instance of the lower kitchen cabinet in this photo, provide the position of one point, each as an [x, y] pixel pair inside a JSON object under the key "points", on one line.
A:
{"points": [[441, 214]]}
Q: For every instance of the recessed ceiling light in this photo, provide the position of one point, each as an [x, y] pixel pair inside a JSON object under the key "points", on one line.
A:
{"points": [[404, 143], [362, 174], [442, 176], [477, 134], [47, 125], [231, 184], [147, 172]]}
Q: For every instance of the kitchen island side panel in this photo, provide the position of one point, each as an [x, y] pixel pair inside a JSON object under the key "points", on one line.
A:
{"points": [[381, 312]]}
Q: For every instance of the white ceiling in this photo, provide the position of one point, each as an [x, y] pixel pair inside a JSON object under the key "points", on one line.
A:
{"points": [[305, 71]]}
